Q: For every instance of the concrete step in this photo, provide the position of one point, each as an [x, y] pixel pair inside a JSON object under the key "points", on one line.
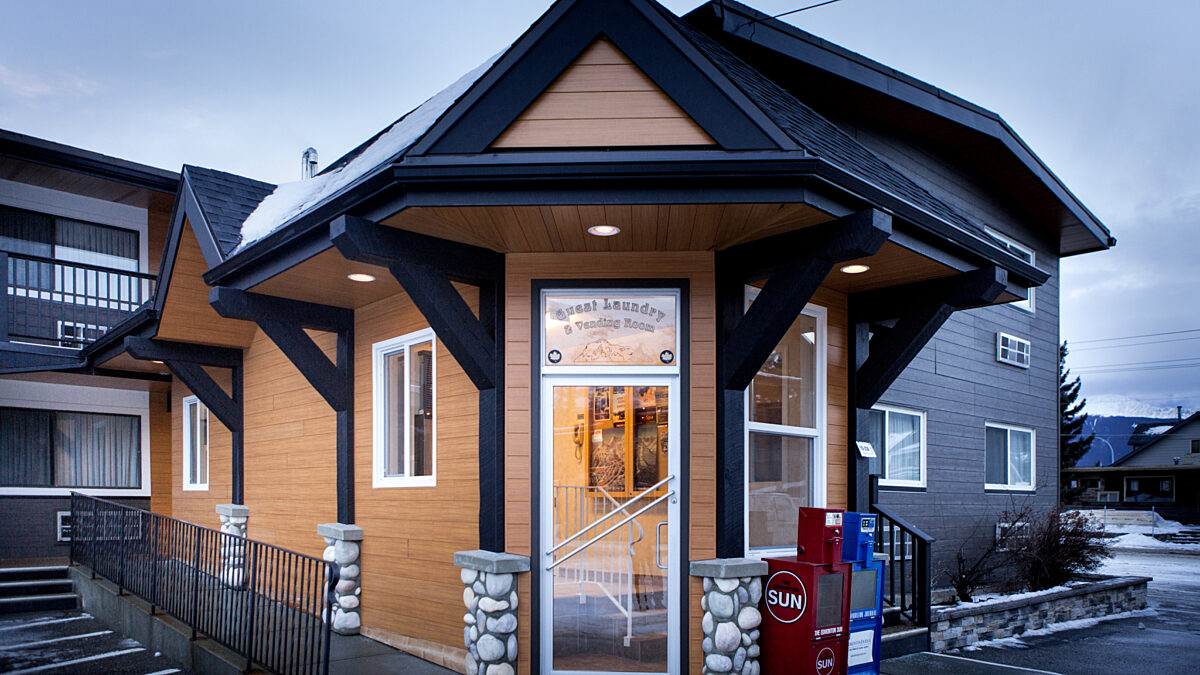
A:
{"points": [[901, 642], [38, 603], [33, 573], [11, 589]]}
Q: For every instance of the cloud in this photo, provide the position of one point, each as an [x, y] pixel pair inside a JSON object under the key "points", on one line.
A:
{"points": [[34, 86]]}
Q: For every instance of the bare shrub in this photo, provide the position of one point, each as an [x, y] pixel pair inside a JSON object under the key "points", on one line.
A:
{"points": [[977, 566], [1055, 547]]}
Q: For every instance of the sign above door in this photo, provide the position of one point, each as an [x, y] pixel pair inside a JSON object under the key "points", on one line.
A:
{"points": [[610, 329]]}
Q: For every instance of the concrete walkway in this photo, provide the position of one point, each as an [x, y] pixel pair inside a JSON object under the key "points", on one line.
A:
{"points": [[352, 655]]}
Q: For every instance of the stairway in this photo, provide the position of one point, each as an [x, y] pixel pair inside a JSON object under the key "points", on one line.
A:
{"points": [[36, 589], [1181, 537]]}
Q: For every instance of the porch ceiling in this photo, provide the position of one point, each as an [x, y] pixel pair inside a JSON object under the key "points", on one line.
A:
{"points": [[644, 227], [40, 175]]}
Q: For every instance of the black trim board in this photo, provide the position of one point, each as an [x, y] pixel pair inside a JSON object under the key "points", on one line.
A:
{"points": [[683, 416], [59, 156], [565, 31]]}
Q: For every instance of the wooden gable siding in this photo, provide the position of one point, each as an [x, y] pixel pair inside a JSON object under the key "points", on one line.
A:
{"points": [[411, 533], [187, 316], [697, 267], [602, 100]]}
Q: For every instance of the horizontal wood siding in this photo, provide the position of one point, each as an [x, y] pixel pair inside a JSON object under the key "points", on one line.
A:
{"points": [[290, 448], [837, 369], [602, 100], [411, 533], [200, 506], [160, 452], [519, 455]]}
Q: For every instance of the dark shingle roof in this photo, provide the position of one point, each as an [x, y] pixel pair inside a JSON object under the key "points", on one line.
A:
{"points": [[226, 199], [816, 134]]}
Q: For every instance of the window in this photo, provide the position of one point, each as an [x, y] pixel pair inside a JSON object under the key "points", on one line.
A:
{"points": [[404, 398], [1022, 252], [1012, 350], [47, 236], [195, 444], [1195, 446], [898, 436], [1008, 457], [1150, 489], [63, 449], [1011, 536], [785, 418]]}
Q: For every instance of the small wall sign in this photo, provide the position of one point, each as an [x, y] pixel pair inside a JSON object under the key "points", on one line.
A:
{"points": [[610, 329], [865, 449]]}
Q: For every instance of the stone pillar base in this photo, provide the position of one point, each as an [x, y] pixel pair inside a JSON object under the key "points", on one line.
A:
{"points": [[233, 551], [491, 599], [732, 590], [343, 547]]}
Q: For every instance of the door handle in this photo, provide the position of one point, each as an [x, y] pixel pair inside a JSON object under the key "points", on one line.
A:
{"points": [[658, 544]]}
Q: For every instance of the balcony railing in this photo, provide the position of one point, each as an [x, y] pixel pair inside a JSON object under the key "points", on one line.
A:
{"points": [[267, 604], [67, 304]]}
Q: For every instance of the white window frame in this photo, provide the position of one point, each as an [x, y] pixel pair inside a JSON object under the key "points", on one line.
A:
{"points": [[1008, 486], [189, 484], [1026, 305], [817, 433], [1018, 341], [380, 352], [1000, 531], [886, 408]]}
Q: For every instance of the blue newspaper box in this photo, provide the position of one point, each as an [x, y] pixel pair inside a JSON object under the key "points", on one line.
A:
{"points": [[866, 593]]}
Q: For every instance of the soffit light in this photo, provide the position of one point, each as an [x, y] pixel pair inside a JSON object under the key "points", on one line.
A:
{"points": [[855, 269], [360, 277], [604, 230]]}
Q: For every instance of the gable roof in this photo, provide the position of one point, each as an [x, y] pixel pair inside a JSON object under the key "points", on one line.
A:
{"points": [[225, 199], [735, 23], [722, 88], [60, 156], [1141, 448]]}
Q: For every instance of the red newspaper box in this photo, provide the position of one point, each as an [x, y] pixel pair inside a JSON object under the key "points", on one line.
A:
{"points": [[807, 601]]}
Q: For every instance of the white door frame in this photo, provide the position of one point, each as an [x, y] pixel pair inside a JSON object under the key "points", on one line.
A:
{"points": [[546, 449]]}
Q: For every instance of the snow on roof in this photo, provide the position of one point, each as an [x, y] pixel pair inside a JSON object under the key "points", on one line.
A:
{"points": [[291, 200], [1158, 430]]}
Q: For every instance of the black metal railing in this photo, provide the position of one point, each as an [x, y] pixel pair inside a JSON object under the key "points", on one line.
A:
{"points": [[270, 605], [908, 581], [68, 304]]}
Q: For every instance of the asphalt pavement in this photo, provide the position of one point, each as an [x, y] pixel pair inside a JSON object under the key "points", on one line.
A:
{"points": [[1165, 642]]}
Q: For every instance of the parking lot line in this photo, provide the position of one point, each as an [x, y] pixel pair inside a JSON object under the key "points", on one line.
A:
{"points": [[107, 655], [58, 639]]}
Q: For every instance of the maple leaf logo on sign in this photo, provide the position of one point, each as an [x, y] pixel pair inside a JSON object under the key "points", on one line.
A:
{"points": [[786, 597]]}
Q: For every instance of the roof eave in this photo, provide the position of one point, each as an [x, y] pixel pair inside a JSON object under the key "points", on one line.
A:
{"points": [[733, 19], [59, 156]]}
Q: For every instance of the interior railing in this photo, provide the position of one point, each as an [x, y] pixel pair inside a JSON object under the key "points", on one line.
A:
{"points": [[269, 605], [62, 303]]}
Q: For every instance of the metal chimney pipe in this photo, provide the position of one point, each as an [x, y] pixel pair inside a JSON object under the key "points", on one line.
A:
{"points": [[308, 164]]}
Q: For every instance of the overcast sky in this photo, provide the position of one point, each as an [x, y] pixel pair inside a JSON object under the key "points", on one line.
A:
{"points": [[1106, 92]]}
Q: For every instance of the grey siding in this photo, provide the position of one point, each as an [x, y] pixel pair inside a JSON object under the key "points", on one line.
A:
{"points": [[1178, 443], [957, 381], [28, 526]]}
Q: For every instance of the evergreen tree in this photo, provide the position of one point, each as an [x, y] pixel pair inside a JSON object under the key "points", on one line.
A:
{"points": [[1071, 443]]}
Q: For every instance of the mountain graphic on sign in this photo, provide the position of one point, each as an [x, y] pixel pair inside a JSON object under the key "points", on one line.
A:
{"points": [[604, 351]]}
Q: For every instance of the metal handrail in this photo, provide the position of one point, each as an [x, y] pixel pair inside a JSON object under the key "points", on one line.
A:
{"points": [[272, 606], [610, 514], [86, 266], [909, 574], [609, 531]]}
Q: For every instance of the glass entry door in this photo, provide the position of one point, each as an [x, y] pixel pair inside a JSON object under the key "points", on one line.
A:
{"points": [[609, 523]]}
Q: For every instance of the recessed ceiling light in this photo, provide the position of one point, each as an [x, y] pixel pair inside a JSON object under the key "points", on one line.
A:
{"points": [[360, 277], [604, 230], [855, 269]]}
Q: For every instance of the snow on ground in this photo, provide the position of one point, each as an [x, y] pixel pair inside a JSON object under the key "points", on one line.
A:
{"points": [[1140, 540], [982, 599], [1055, 628], [292, 199]]}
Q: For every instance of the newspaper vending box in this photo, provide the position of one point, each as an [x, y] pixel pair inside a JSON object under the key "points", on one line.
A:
{"points": [[807, 601], [866, 594]]}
